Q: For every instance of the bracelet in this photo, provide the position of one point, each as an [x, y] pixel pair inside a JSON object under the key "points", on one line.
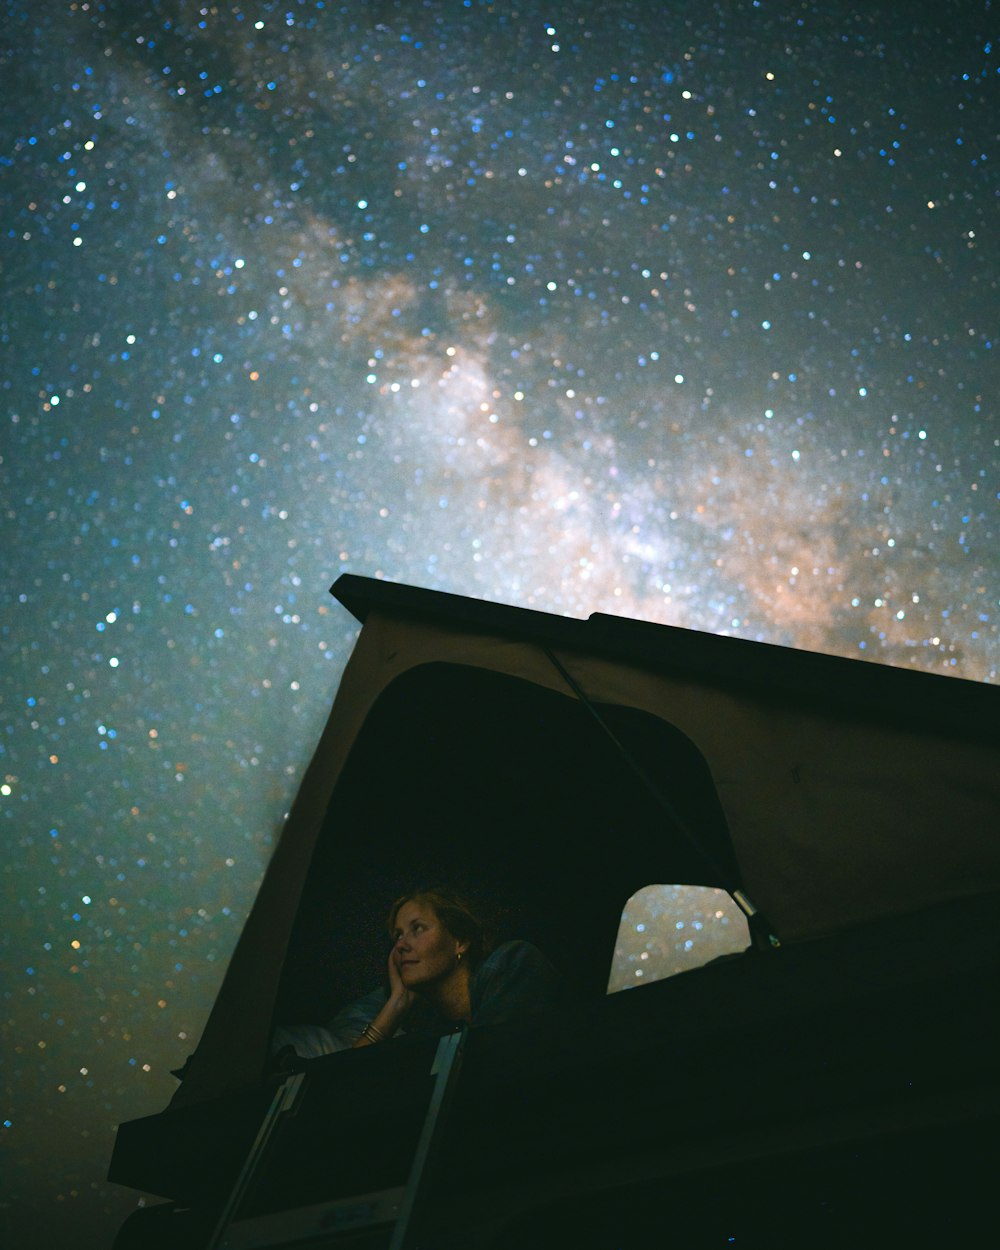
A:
{"points": [[373, 1033]]}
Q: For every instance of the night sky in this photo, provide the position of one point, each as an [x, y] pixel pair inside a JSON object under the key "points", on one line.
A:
{"points": [[686, 311]]}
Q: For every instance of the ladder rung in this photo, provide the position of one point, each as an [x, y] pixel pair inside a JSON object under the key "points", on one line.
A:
{"points": [[322, 1219]]}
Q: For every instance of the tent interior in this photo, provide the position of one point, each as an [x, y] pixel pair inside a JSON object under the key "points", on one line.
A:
{"points": [[514, 794]]}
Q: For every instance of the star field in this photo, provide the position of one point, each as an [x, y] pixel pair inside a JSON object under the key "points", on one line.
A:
{"points": [[686, 312]]}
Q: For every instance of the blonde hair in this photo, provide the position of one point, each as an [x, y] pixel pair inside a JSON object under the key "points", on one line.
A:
{"points": [[455, 914]]}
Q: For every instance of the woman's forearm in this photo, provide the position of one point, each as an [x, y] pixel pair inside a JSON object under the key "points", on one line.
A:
{"points": [[385, 1024]]}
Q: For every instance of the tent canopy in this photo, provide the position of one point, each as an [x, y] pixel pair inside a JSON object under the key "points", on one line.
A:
{"points": [[555, 766]]}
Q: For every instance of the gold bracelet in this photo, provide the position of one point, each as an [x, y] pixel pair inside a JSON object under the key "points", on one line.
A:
{"points": [[373, 1033]]}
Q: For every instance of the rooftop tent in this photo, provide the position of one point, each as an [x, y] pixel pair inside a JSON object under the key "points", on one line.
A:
{"points": [[555, 766]]}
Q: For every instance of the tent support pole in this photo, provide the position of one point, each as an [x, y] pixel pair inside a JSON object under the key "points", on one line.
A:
{"points": [[762, 932]]}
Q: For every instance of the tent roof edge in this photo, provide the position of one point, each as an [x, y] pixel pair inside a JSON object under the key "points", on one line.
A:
{"points": [[950, 704]]}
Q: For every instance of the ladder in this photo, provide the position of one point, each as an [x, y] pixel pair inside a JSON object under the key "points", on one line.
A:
{"points": [[389, 1216]]}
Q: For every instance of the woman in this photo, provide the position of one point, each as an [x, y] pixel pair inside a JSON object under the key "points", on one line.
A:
{"points": [[439, 977]]}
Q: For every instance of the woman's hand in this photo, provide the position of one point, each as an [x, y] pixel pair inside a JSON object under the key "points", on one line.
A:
{"points": [[400, 998], [396, 1007]]}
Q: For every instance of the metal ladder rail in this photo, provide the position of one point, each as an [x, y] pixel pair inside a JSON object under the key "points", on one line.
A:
{"points": [[285, 1097], [445, 1070], [361, 1211]]}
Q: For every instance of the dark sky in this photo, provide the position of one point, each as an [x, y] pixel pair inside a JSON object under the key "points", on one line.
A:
{"points": [[685, 311]]}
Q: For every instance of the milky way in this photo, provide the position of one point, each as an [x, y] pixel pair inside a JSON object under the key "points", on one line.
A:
{"points": [[682, 311]]}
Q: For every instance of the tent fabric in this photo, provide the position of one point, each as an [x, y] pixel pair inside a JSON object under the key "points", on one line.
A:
{"points": [[833, 821], [840, 807]]}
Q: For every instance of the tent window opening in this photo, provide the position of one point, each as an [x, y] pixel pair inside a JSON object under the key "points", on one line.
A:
{"points": [[667, 929]]}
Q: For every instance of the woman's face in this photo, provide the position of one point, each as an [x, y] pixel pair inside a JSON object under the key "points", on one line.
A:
{"points": [[424, 950]]}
